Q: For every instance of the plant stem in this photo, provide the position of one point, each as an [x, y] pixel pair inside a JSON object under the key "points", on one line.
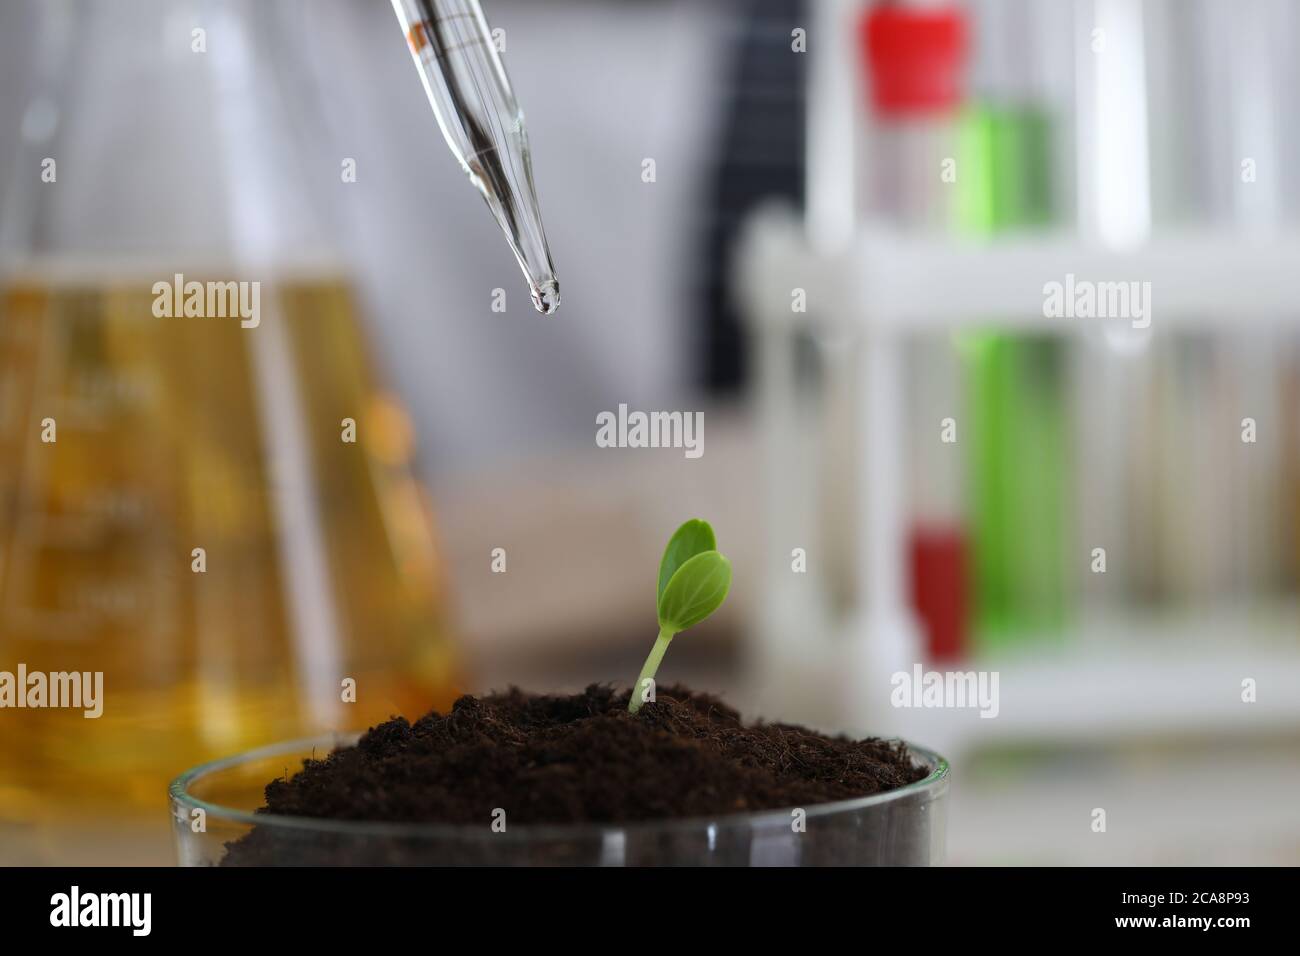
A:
{"points": [[651, 665]]}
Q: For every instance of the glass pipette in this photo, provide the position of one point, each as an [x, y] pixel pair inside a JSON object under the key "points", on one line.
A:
{"points": [[481, 120]]}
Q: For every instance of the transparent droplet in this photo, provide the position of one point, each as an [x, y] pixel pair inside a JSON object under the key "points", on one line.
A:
{"points": [[546, 296]]}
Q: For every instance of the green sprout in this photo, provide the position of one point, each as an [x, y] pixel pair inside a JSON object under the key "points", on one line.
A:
{"points": [[693, 582]]}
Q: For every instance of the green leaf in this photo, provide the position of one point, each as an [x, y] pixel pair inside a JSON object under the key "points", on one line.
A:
{"points": [[692, 538], [695, 590]]}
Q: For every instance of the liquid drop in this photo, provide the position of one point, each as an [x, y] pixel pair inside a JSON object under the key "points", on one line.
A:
{"points": [[546, 296]]}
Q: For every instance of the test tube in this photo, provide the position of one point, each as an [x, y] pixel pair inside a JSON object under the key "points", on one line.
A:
{"points": [[915, 60], [1018, 435], [480, 118]]}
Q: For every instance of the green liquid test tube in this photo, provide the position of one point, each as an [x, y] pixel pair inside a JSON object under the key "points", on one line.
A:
{"points": [[1017, 473]]}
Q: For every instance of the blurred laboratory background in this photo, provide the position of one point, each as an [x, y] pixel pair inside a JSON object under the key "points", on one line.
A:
{"points": [[826, 224]]}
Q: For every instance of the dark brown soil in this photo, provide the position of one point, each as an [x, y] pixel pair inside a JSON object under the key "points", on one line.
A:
{"points": [[581, 758]]}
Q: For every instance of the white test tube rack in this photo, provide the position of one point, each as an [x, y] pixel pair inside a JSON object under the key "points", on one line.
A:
{"points": [[877, 287]]}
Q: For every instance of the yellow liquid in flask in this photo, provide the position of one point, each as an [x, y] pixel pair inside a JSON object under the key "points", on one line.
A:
{"points": [[222, 520]]}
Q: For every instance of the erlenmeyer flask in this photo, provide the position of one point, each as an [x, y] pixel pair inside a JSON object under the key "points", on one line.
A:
{"points": [[204, 494]]}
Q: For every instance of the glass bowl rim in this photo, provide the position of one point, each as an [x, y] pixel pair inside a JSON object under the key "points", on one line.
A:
{"points": [[178, 791]]}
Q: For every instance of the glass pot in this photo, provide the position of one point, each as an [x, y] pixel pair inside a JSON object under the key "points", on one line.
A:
{"points": [[212, 807]]}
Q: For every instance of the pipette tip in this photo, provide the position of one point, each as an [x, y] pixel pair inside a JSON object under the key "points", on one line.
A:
{"points": [[546, 296]]}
